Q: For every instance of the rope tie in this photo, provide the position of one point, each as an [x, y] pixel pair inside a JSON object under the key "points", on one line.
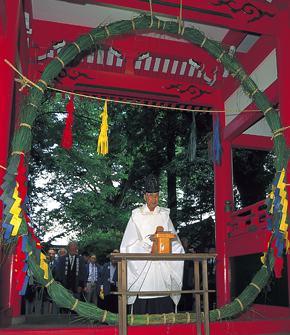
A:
{"points": [[132, 320], [150, 2], [26, 80], [164, 317], [278, 132], [203, 42], [17, 153], [238, 70], [173, 318], [52, 280], [147, 321], [219, 313], [267, 110], [74, 306], [30, 253], [105, 315], [220, 57], [244, 77], [281, 129], [164, 25], [133, 24], [264, 266], [42, 81], [182, 30], [256, 90], [107, 30], [188, 317], [60, 60], [158, 24], [241, 305], [2, 167], [32, 105], [274, 136], [257, 287], [91, 38], [77, 46], [25, 125]]}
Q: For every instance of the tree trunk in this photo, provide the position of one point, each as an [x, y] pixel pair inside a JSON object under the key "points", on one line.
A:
{"points": [[171, 173]]}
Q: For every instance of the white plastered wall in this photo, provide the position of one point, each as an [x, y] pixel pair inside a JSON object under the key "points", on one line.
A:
{"points": [[264, 75]]}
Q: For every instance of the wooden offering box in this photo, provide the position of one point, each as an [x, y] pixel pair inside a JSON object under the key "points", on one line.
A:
{"points": [[162, 241]]}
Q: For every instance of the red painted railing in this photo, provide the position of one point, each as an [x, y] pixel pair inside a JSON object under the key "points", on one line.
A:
{"points": [[247, 220]]}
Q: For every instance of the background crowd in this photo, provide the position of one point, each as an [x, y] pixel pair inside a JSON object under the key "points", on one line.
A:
{"points": [[93, 282]]}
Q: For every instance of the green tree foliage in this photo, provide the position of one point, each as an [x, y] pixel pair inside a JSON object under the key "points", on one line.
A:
{"points": [[253, 172]]}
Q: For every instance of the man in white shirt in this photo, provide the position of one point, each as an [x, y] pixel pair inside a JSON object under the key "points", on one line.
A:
{"points": [[151, 275], [92, 288]]}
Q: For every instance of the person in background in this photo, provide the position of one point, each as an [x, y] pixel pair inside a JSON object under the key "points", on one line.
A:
{"points": [[71, 271], [53, 264], [92, 289], [110, 284], [61, 252], [47, 258], [86, 256]]}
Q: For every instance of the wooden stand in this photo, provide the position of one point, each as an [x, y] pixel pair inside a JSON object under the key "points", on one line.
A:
{"points": [[123, 293]]}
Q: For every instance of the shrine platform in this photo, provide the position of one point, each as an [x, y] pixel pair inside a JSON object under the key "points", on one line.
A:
{"points": [[72, 324]]}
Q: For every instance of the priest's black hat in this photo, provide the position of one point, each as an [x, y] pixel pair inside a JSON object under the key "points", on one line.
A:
{"points": [[151, 184]]}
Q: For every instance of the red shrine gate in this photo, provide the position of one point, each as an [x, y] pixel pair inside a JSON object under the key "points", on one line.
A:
{"points": [[162, 70]]}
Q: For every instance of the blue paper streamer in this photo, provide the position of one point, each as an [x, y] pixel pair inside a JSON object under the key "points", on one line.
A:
{"points": [[269, 221], [216, 144], [24, 286]]}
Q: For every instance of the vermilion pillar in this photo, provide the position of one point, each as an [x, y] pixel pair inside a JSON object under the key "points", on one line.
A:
{"points": [[223, 190], [10, 299], [283, 68]]}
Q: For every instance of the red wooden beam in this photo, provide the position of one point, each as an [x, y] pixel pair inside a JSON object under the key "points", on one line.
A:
{"points": [[212, 12], [129, 86], [234, 38], [253, 142]]}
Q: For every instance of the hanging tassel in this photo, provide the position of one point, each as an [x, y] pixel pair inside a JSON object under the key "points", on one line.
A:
{"points": [[192, 140], [216, 143], [66, 141], [103, 137]]}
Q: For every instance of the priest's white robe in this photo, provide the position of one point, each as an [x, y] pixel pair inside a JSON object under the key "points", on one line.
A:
{"points": [[151, 275]]}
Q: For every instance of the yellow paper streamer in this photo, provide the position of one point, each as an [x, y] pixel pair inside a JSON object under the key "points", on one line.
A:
{"points": [[263, 258], [103, 137], [44, 265], [15, 210], [284, 202]]}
